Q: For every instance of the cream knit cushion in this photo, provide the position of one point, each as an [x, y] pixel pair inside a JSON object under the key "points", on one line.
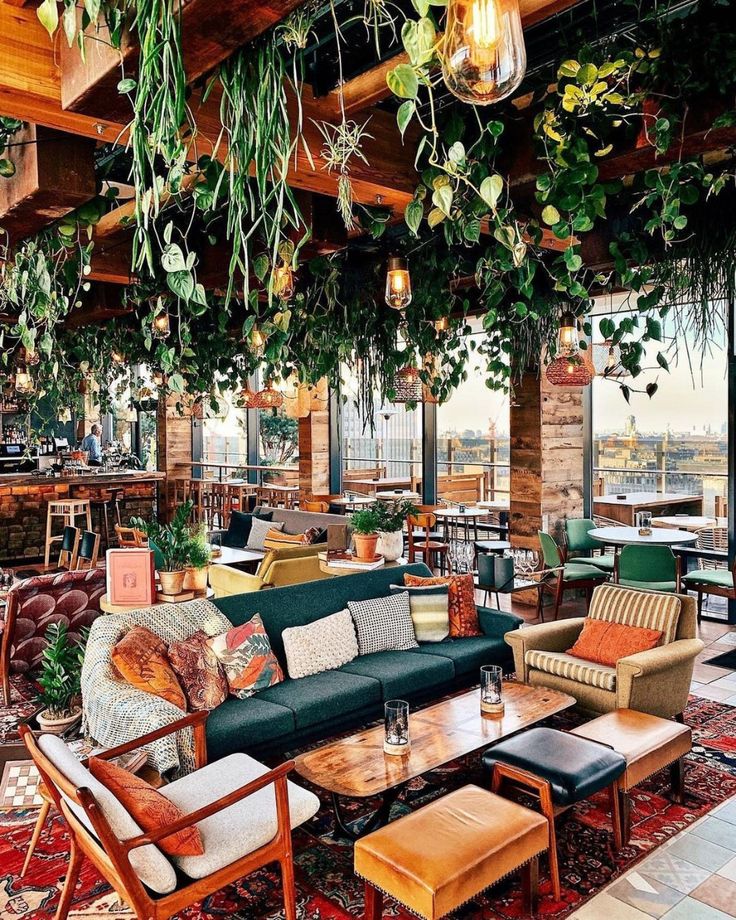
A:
{"points": [[650, 610], [241, 828], [323, 645], [150, 864]]}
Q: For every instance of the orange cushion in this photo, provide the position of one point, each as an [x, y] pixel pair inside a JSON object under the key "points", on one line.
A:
{"points": [[149, 809], [461, 601], [140, 658], [604, 643]]}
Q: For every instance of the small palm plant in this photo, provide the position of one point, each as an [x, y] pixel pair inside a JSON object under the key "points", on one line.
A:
{"points": [[61, 669]]}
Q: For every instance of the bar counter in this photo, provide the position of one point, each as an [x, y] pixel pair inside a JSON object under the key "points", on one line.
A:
{"points": [[23, 500]]}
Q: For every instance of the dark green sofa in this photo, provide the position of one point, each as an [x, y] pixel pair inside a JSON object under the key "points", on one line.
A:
{"points": [[299, 711]]}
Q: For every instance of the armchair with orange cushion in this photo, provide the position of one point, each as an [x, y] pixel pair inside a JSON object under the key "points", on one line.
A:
{"points": [[164, 850], [72, 598], [602, 668]]}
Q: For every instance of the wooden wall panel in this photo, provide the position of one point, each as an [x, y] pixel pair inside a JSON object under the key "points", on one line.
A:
{"points": [[314, 453], [174, 439]]}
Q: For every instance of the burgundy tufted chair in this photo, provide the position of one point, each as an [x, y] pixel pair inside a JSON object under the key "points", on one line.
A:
{"points": [[32, 605]]}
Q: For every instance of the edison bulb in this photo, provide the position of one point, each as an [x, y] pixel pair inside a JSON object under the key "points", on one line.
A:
{"points": [[568, 342], [484, 56], [398, 283]]}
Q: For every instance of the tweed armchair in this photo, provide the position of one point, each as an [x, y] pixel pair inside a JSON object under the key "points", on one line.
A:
{"points": [[656, 681]]}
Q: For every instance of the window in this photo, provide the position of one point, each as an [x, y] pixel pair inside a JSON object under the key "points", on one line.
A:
{"points": [[473, 433], [676, 442], [225, 434]]}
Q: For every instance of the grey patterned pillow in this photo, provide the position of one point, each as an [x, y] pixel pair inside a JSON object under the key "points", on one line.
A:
{"points": [[383, 624], [258, 531], [323, 645]]}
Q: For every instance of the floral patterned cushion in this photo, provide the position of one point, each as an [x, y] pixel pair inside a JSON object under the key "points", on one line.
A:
{"points": [[140, 658], [246, 656], [199, 671], [463, 612]]}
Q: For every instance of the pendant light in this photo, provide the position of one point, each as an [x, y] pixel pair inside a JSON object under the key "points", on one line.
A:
{"points": [[407, 385], [442, 324], [568, 341], [570, 371], [247, 398], [483, 56], [161, 326], [398, 283], [283, 281], [117, 357], [24, 384], [269, 398], [257, 341]]}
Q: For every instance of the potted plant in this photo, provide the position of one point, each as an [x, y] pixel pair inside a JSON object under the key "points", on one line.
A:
{"points": [[198, 561], [364, 524], [172, 542], [61, 668], [392, 515]]}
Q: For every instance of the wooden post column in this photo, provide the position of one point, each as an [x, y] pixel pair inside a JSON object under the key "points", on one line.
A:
{"points": [[546, 458], [174, 438], [314, 453]]}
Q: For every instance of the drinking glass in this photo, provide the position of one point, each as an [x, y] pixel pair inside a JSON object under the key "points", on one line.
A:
{"points": [[396, 739], [491, 689]]}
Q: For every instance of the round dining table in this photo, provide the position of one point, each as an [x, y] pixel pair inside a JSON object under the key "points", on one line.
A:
{"points": [[453, 516], [623, 536]]}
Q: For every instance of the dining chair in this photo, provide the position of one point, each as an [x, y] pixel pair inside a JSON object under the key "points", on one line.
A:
{"points": [[583, 549], [712, 538], [318, 507], [69, 548], [426, 546], [129, 537], [653, 568], [88, 552], [711, 582], [568, 575], [255, 831]]}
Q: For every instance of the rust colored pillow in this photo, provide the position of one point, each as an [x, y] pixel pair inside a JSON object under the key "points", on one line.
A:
{"points": [[604, 643], [199, 671], [461, 601], [140, 658], [148, 808]]}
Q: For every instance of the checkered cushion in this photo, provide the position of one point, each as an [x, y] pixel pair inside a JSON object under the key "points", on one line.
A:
{"points": [[562, 665], [383, 624], [650, 610]]}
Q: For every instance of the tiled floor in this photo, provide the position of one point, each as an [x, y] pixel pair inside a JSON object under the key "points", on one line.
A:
{"points": [[693, 876]]}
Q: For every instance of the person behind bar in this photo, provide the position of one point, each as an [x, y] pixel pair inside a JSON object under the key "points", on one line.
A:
{"points": [[93, 447]]}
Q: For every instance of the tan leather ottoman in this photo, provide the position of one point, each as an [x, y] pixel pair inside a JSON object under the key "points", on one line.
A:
{"points": [[649, 744], [441, 856]]}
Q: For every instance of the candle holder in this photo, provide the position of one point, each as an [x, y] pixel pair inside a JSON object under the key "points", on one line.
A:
{"points": [[644, 522], [396, 739], [491, 690]]}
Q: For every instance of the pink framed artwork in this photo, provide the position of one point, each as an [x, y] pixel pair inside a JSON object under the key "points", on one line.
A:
{"points": [[131, 578]]}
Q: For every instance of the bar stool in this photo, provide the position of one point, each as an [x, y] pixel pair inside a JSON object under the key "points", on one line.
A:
{"points": [[102, 508], [87, 552], [68, 510], [129, 537]]}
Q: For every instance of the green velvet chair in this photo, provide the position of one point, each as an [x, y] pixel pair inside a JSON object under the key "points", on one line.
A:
{"points": [[717, 582], [652, 568], [569, 575], [582, 549]]}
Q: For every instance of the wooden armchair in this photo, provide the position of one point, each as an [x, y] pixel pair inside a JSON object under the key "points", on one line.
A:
{"points": [[96, 826]]}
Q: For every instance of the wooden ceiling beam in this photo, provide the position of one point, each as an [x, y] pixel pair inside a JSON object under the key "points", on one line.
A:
{"points": [[54, 174], [369, 88]]}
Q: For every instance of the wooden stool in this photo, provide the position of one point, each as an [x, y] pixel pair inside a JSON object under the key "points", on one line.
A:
{"points": [[441, 856], [38, 827], [649, 744], [559, 769], [68, 510]]}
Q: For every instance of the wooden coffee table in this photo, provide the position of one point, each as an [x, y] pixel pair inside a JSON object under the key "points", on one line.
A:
{"points": [[357, 767]]}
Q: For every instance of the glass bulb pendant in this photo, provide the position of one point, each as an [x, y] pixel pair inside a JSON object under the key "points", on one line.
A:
{"points": [[24, 384], [484, 56], [161, 327], [398, 283], [568, 342]]}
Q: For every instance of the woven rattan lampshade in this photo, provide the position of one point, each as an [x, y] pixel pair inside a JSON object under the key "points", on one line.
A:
{"points": [[569, 372], [268, 398], [407, 385]]}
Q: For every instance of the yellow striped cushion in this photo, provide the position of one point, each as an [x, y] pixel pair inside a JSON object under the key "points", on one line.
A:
{"points": [[275, 539], [649, 610], [562, 665]]}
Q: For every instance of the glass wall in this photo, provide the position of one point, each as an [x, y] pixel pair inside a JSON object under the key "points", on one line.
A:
{"points": [[473, 433], [388, 444], [675, 442], [278, 446], [225, 433]]}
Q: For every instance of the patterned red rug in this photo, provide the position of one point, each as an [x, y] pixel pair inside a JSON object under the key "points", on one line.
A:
{"points": [[22, 705], [326, 885]]}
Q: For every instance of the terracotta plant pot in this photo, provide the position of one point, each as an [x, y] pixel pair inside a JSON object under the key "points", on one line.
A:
{"points": [[196, 579], [390, 544], [365, 546], [172, 582], [57, 726]]}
